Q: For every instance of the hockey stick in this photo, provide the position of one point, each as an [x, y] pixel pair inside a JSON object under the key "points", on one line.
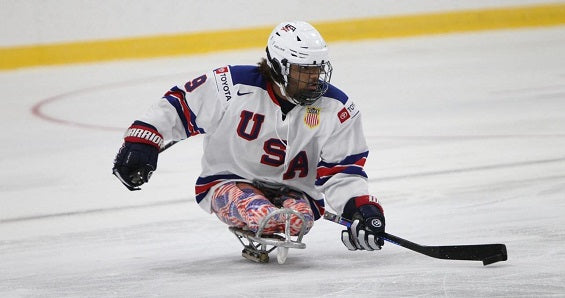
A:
{"points": [[168, 145], [487, 253]]}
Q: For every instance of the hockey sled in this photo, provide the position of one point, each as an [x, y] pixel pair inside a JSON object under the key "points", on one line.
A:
{"points": [[256, 246]]}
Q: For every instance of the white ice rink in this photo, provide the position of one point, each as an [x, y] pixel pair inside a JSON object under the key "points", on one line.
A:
{"points": [[467, 140]]}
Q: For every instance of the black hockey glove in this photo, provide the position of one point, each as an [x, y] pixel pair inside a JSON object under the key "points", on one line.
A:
{"points": [[368, 221], [137, 158]]}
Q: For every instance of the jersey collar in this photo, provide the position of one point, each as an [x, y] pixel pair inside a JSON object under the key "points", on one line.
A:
{"points": [[272, 93]]}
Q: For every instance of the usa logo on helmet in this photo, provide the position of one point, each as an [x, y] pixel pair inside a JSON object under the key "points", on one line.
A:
{"points": [[288, 27]]}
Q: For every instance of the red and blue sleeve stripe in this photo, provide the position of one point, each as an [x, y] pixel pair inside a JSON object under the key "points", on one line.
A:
{"points": [[352, 165], [177, 98]]}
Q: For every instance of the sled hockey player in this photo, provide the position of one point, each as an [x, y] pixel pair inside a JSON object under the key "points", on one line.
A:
{"points": [[280, 142]]}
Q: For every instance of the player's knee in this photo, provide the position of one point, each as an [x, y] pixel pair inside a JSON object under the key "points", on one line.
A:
{"points": [[258, 216], [296, 223]]}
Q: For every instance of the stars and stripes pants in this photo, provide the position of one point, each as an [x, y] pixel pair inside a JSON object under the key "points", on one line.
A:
{"points": [[244, 206]]}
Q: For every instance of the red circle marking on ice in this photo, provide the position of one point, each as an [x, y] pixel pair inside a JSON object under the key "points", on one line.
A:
{"points": [[36, 110]]}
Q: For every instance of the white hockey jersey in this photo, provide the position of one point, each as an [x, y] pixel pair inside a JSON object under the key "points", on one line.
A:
{"points": [[319, 149]]}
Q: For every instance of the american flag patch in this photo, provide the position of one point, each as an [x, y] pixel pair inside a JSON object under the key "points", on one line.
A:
{"points": [[312, 118]]}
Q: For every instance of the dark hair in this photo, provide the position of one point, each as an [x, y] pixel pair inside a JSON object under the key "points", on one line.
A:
{"points": [[265, 70]]}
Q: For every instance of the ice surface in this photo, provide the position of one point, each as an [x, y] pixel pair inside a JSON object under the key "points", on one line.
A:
{"points": [[467, 139]]}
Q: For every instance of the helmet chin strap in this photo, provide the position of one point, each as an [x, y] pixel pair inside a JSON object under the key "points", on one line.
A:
{"points": [[285, 95]]}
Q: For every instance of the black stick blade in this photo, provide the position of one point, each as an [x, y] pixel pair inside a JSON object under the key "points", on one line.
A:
{"points": [[487, 253]]}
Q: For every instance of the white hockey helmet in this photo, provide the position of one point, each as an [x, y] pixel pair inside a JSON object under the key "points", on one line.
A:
{"points": [[298, 43]]}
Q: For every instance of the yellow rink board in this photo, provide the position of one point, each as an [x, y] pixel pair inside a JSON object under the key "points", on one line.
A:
{"points": [[343, 30]]}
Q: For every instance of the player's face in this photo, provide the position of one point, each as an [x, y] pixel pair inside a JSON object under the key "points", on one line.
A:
{"points": [[304, 81], [303, 78]]}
